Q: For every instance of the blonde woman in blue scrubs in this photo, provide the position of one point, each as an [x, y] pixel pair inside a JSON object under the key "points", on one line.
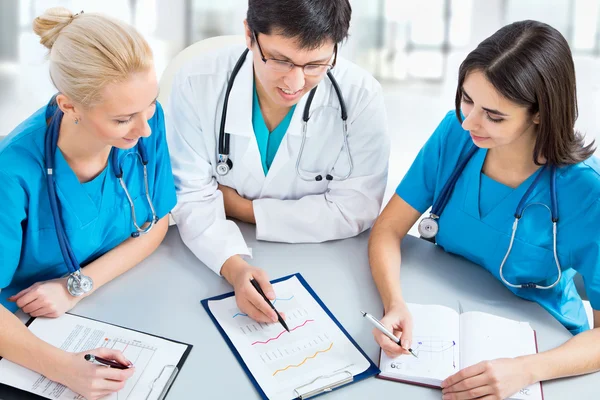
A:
{"points": [[515, 111], [104, 112]]}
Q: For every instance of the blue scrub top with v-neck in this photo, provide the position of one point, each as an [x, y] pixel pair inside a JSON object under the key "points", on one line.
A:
{"points": [[477, 221], [268, 143], [96, 215]]}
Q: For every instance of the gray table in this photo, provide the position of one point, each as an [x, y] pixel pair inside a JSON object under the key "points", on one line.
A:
{"points": [[162, 296]]}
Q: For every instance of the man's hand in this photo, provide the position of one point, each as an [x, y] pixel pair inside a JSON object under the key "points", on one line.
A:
{"points": [[239, 274], [236, 206]]}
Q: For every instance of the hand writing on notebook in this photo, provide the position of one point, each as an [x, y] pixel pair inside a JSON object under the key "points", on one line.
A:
{"points": [[239, 274], [46, 299], [399, 321], [90, 380], [497, 379]]}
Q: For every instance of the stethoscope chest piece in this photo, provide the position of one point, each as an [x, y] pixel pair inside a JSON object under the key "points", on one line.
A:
{"points": [[224, 165], [79, 284], [428, 228]]}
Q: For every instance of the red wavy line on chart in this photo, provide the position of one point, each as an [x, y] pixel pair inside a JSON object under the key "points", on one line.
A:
{"points": [[291, 330], [303, 361]]}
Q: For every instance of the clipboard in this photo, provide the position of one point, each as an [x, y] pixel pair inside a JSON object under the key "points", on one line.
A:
{"points": [[335, 380], [161, 383]]}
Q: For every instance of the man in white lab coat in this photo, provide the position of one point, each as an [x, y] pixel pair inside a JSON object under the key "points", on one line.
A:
{"points": [[336, 188]]}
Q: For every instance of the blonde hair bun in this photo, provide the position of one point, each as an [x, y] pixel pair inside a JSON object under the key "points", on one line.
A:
{"points": [[49, 25], [89, 51]]}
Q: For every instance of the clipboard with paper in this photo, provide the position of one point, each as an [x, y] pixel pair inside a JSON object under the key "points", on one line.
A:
{"points": [[315, 357], [157, 360]]}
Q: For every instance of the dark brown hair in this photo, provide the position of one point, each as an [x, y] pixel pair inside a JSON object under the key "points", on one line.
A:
{"points": [[530, 64], [311, 22]]}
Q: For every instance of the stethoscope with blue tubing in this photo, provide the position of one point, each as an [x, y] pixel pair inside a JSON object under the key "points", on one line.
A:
{"points": [[429, 227], [224, 162], [78, 283]]}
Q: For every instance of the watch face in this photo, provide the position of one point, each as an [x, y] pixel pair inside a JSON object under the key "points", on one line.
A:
{"points": [[428, 228]]}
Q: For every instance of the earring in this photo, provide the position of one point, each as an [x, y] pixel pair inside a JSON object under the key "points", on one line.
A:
{"points": [[76, 121]]}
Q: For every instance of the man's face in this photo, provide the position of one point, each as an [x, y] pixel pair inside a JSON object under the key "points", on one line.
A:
{"points": [[283, 83]]}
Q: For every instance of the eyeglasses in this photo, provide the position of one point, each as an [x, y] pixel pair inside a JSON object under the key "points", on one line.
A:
{"points": [[287, 66]]}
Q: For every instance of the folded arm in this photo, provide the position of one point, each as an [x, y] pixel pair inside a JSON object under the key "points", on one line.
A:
{"points": [[348, 207]]}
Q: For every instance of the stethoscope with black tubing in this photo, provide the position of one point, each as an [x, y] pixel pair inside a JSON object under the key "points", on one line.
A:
{"points": [[429, 227], [78, 283], [224, 162]]}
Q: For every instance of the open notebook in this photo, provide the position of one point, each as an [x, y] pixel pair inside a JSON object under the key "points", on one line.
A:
{"points": [[446, 342]]}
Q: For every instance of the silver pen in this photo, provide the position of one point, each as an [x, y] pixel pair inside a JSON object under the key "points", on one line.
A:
{"points": [[384, 330]]}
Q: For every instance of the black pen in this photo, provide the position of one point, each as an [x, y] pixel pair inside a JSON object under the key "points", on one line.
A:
{"points": [[99, 360], [260, 291]]}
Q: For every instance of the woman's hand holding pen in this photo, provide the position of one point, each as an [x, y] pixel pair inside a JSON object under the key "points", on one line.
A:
{"points": [[239, 274], [90, 380], [46, 299], [398, 320]]}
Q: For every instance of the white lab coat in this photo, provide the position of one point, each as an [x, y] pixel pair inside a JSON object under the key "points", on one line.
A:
{"points": [[286, 208]]}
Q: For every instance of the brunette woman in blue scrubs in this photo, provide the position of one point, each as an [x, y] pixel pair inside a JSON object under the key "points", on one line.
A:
{"points": [[513, 132]]}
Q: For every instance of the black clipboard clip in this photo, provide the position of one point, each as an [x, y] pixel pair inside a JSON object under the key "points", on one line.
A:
{"points": [[167, 375], [345, 378]]}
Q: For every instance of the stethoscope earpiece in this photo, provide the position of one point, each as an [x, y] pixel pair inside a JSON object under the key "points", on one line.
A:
{"points": [[319, 178]]}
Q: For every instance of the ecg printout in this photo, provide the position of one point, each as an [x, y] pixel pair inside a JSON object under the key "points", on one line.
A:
{"points": [[280, 361], [150, 355]]}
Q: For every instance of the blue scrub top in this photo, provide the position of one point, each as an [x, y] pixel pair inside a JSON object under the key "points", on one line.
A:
{"points": [[96, 214], [268, 142], [477, 221]]}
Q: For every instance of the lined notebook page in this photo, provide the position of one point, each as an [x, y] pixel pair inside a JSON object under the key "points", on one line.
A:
{"points": [[488, 337], [435, 342]]}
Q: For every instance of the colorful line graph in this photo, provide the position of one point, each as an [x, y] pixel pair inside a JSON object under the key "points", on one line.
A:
{"points": [[295, 348], [284, 331], [240, 314], [303, 361]]}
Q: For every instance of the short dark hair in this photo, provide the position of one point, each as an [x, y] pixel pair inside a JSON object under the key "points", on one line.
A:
{"points": [[311, 22], [530, 63]]}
